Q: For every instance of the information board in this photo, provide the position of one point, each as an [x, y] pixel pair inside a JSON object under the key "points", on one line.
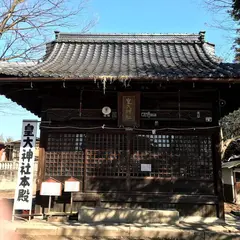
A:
{"points": [[146, 167], [51, 189], [71, 186]]}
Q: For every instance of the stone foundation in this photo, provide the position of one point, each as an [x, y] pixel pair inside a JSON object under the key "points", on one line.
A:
{"points": [[111, 215]]}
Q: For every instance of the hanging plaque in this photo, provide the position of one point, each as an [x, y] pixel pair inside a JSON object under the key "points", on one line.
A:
{"points": [[129, 109]]}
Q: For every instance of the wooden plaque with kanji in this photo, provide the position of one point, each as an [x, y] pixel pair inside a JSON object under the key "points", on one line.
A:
{"points": [[129, 109]]}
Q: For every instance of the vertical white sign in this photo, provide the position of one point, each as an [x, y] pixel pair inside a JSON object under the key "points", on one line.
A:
{"points": [[23, 192]]}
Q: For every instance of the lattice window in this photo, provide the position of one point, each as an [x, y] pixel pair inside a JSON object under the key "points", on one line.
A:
{"points": [[172, 156], [106, 155], [153, 150], [65, 155], [192, 157], [65, 142], [117, 155]]}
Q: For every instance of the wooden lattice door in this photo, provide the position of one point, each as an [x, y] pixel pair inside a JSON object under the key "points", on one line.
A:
{"points": [[107, 161], [113, 161]]}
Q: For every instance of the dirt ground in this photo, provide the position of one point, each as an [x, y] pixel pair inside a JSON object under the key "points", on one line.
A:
{"points": [[231, 207]]}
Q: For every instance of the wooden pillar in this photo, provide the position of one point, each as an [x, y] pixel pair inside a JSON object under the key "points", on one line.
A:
{"points": [[217, 169], [40, 172], [85, 171], [41, 160], [217, 164], [129, 136]]}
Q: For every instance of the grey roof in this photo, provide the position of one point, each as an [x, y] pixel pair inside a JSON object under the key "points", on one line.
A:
{"points": [[126, 56], [231, 164]]}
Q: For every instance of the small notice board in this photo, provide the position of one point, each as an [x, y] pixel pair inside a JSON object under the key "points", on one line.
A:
{"points": [[72, 185], [51, 187], [146, 167]]}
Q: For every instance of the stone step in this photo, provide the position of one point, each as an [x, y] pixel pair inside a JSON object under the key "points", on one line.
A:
{"points": [[119, 215]]}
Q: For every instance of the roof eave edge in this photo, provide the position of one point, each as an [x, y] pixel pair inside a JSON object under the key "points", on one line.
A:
{"points": [[168, 79]]}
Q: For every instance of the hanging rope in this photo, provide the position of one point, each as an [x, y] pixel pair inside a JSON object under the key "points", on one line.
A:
{"points": [[153, 131]]}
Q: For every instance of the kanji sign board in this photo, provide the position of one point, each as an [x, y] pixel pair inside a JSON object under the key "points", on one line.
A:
{"points": [[51, 189], [23, 192], [71, 185]]}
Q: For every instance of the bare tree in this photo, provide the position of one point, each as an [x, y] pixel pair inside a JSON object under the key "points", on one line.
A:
{"points": [[26, 25], [9, 139], [226, 16], [2, 138], [221, 12], [5, 139]]}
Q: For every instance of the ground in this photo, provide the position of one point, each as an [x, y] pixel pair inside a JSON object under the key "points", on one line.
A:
{"points": [[68, 231], [231, 207]]}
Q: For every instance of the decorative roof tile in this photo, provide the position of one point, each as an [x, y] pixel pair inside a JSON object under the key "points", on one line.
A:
{"points": [[84, 56]]}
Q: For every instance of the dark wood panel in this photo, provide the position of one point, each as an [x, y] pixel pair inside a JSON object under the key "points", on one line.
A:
{"points": [[108, 184], [193, 187], [149, 185], [61, 114], [141, 197], [228, 193]]}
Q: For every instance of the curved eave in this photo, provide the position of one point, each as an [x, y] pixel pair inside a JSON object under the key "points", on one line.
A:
{"points": [[30, 102], [23, 105]]}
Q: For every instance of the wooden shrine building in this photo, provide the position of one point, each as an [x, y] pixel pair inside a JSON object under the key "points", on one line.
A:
{"points": [[133, 116]]}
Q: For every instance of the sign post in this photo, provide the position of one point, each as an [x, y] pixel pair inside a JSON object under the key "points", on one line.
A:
{"points": [[51, 187], [49, 203], [71, 185], [23, 192]]}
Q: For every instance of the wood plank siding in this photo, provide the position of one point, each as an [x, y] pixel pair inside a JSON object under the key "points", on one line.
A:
{"points": [[108, 162]]}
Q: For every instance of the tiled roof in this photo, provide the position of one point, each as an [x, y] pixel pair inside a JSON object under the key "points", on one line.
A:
{"points": [[126, 55], [230, 164]]}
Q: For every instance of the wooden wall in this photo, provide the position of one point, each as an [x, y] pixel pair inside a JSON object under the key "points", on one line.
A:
{"points": [[159, 108]]}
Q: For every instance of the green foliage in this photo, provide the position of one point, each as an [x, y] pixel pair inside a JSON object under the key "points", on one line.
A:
{"points": [[236, 10], [233, 149], [235, 13], [231, 125]]}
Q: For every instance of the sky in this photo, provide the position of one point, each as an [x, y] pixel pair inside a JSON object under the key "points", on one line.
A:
{"points": [[134, 16]]}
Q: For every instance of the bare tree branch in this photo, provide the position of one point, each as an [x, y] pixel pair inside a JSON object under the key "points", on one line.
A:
{"points": [[226, 17], [26, 25]]}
